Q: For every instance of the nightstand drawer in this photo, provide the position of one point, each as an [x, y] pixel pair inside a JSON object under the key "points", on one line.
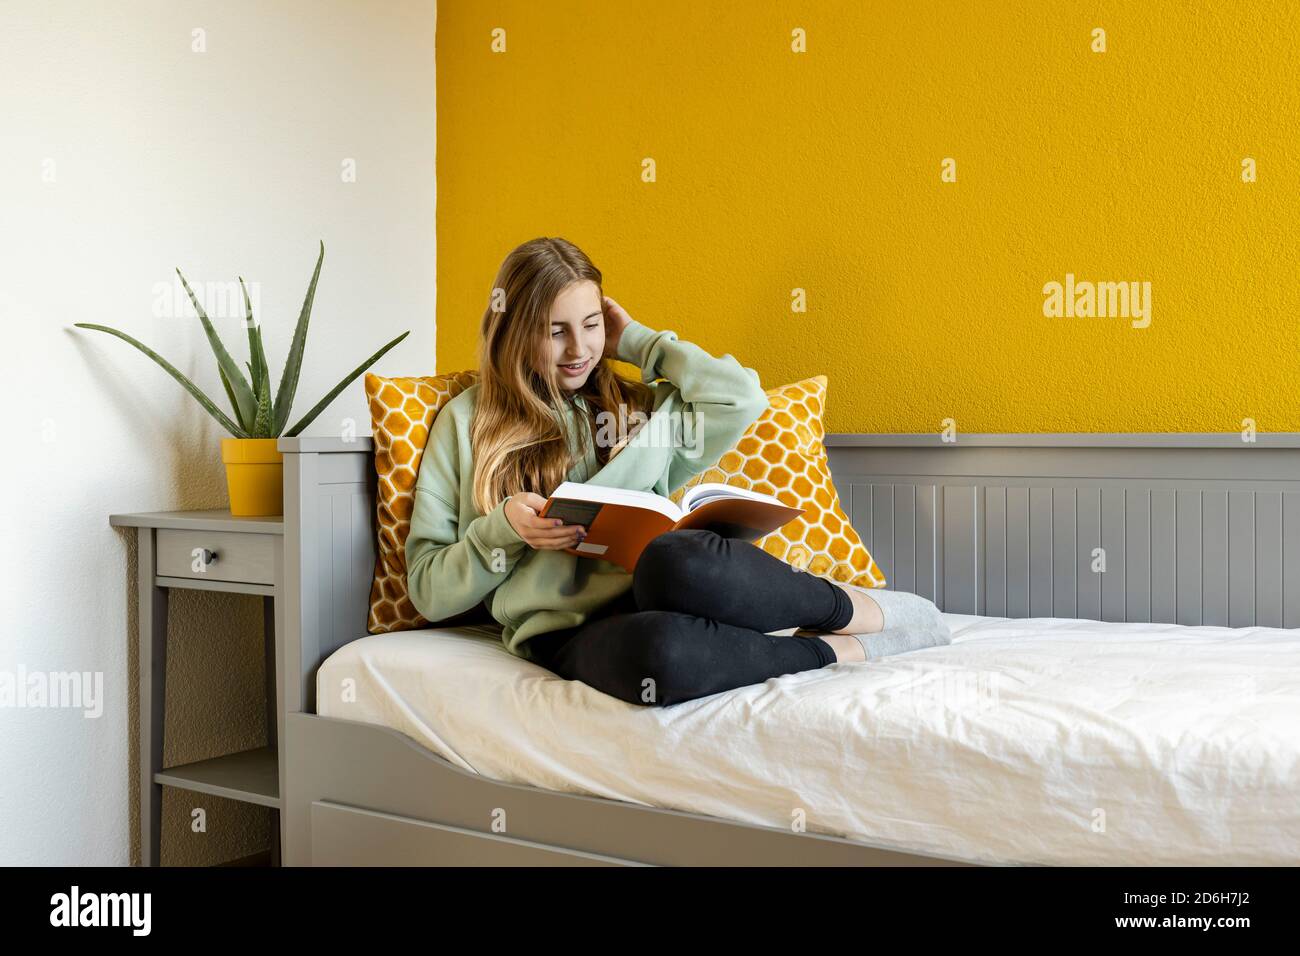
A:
{"points": [[248, 558]]}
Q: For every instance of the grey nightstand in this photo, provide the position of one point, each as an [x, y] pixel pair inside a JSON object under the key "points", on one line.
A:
{"points": [[213, 551]]}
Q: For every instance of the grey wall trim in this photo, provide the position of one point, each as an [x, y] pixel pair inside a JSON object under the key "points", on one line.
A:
{"points": [[1070, 440], [1189, 533]]}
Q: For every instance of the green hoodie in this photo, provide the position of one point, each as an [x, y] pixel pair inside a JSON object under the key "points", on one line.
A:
{"points": [[457, 557]]}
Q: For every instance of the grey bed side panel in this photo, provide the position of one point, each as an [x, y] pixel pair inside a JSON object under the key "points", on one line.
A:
{"points": [[362, 794]]}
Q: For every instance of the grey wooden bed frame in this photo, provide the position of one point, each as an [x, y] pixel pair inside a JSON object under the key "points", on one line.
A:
{"points": [[1196, 529]]}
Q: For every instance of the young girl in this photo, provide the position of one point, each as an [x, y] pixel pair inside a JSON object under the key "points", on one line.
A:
{"points": [[695, 617]]}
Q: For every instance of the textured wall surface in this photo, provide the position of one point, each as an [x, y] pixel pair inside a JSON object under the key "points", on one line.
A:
{"points": [[224, 162], [821, 171]]}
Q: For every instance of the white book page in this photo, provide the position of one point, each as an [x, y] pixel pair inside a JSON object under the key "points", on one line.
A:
{"points": [[713, 490], [618, 496]]}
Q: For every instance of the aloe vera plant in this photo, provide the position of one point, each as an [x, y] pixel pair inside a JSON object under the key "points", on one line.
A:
{"points": [[257, 413]]}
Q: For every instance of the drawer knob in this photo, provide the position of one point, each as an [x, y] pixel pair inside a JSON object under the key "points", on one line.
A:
{"points": [[202, 558]]}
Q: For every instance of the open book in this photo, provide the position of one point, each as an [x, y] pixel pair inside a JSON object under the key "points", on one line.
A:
{"points": [[621, 523]]}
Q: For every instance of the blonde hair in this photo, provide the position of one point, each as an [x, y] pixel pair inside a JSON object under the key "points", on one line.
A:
{"points": [[517, 437]]}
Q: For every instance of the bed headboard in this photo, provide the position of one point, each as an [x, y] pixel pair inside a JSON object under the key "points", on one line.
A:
{"points": [[1192, 529], [1172, 528]]}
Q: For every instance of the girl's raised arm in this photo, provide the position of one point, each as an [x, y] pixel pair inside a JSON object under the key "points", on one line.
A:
{"points": [[722, 396]]}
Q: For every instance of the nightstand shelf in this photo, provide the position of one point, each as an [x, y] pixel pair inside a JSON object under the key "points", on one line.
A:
{"points": [[252, 776], [208, 550]]}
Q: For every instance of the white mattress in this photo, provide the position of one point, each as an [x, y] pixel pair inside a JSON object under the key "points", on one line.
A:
{"points": [[1043, 741]]}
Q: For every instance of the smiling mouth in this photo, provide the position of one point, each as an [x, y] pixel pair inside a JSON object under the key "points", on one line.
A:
{"points": [[574, 369]]}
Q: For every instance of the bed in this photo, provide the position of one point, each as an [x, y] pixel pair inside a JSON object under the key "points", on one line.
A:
{"points": [[1140, 710]]}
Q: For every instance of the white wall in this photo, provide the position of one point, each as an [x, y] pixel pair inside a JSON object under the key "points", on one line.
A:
{"points": [[225, 162]]}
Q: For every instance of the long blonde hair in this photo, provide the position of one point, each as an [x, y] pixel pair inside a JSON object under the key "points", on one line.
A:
{"points": [[517, 436]]}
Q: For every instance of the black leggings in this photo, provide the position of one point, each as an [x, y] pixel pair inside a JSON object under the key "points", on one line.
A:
{"points": [[694, 622]]}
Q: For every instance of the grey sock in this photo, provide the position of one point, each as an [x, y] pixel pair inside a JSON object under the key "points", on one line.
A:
{"points": [[911, 623]]}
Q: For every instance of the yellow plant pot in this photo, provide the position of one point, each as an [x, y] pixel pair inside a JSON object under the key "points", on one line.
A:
{"points": [[254, 476]]}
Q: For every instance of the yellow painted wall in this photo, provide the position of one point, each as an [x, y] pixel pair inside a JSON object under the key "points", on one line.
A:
{"points": [[821, 171]]}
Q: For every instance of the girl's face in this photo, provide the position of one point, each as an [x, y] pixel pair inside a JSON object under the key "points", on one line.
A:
{"points": [[577, 333]]}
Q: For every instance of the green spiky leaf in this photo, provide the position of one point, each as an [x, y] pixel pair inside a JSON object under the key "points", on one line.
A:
{"points": [[257, 414], [334, 392], [258, 374], [175, 373], [246, 407], [230, 394], [262, 424], [293, 361]]}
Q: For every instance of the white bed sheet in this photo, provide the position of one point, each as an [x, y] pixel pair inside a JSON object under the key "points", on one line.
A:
{"points": [[1040, 740]]}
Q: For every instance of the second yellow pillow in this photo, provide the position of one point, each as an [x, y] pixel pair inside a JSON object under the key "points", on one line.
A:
{"points": [[783, 455]]}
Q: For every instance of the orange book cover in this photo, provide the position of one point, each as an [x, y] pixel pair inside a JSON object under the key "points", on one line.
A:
{"points": [[621, 523]]}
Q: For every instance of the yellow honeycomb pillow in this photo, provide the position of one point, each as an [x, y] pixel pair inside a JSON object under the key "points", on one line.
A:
{"points": [[401, 413], [783, 455]]}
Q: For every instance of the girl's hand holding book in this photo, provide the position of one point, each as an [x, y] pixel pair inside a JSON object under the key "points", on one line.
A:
{"points": [[550, 534]]}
